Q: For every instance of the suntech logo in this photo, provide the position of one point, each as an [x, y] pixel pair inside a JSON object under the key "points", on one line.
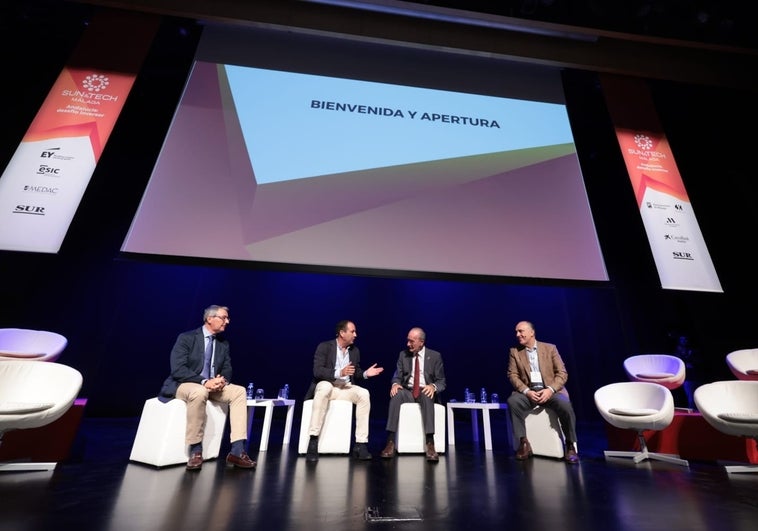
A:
{"points": [[643, 141], [95, 82], [93, 90]]}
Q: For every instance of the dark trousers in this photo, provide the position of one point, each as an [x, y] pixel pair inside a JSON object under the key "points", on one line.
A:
{"points": [[520, 406], [404, 396]]}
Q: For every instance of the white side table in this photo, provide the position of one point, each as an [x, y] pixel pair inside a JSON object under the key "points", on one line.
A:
{"points": [[270, 404], [474, 407]]}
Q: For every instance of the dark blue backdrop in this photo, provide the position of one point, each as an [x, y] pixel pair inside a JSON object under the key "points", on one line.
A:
{"points": [[122, 316]]}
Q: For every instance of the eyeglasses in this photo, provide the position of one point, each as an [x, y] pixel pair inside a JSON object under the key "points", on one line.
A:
{"points": [[222, 317]]}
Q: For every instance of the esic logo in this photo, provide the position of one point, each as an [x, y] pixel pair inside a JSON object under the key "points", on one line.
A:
{"points": [[678, 255], [41, 189], [44, 169], [29, 209]]}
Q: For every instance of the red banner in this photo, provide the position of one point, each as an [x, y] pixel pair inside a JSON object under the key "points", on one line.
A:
{"points": [[45, 179], [678, 247]]}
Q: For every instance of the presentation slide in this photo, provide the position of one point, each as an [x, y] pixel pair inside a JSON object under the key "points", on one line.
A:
{"points": [[293, 166]]}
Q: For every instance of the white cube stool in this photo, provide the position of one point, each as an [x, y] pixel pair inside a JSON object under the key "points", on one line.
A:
{"points": [[410, 436], [544, 432], [161, 431], [336, 433]]}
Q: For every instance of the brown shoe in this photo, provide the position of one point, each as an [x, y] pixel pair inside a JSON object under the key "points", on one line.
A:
{"points": [[431, 453], [571, 456], [241, 461], [524, 450], [389, 450], [195, 461]]}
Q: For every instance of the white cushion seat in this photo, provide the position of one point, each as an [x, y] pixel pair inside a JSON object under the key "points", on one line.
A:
{"points": [[638, 406], [32, 395], [743, 363], [665, 369], [544, 433], [28, 344], [410, 437], [336, 433], [160, 438], [731, 407]]}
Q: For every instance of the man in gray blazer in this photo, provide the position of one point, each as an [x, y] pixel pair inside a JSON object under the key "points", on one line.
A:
{"points": [[424, 391]]}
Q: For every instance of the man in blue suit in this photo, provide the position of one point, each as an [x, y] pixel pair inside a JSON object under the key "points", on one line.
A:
{"points": [[201, 370]]}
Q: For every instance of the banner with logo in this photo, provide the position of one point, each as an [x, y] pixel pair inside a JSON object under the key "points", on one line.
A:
{"points": [[679, 250], [43, 184]]}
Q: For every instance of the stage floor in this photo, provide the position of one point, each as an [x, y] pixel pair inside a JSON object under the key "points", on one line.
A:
{"points": [[470, 488]]}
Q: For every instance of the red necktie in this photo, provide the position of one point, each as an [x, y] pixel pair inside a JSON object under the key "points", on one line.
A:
{"points": [[416, 378]]}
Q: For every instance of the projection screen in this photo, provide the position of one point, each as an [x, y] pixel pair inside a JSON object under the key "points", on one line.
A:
{"points": [[308, 150]]}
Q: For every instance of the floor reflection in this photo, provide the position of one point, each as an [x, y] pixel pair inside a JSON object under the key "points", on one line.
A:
{"points": [[469, 487]]}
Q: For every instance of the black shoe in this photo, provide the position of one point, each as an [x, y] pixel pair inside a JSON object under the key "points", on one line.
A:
{"points": [[312, 454], [360, 451], [571, 456]]}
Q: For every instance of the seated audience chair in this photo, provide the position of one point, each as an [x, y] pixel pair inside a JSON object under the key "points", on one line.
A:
{"points": [[664, 369], [27, 344], [337, 431], [411, 438], [160, 435], [33, 395], [731, 407], [743, 363], [638, 406]]}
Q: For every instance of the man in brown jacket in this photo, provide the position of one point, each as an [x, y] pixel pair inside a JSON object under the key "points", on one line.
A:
{"points": [[538, 376]]}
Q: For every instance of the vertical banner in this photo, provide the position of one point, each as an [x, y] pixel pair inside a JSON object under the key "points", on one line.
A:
{"points": [[678, 247], [44, 182]]}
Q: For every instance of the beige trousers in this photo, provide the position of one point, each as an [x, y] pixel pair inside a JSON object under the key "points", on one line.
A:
{"points": [[359, 396], [196, 395]]}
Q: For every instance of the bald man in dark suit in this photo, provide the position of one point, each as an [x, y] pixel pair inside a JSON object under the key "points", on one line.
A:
{"points": [[431, 382]]}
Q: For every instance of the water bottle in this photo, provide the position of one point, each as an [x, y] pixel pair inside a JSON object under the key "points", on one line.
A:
{"points": [[250, 389], [483, 396], [286, 391], [467, 396]]}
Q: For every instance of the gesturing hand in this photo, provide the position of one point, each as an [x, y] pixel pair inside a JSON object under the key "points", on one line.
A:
{"points": [[374, 370]]}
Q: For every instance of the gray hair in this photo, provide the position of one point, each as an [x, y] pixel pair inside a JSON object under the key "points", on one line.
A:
{"points": [[212, 310]]}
